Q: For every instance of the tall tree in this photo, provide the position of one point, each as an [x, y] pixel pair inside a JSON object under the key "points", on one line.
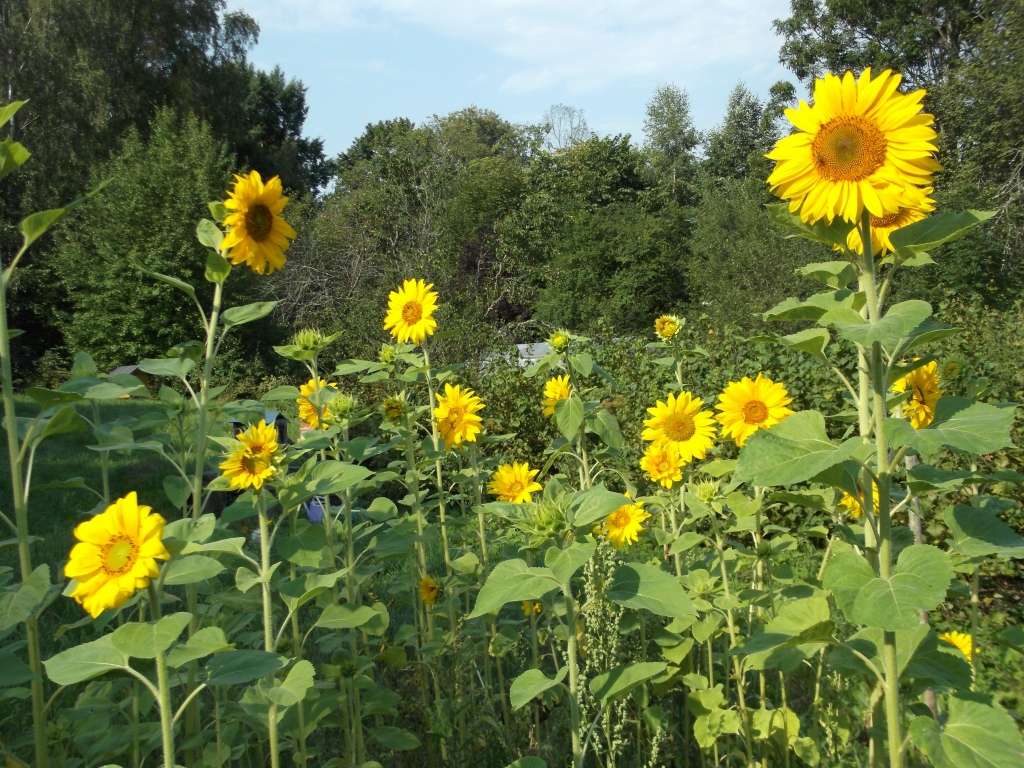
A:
{"points": [[736, 148], [671, 135]]}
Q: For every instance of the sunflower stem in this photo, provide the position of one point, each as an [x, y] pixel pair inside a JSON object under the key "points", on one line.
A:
{"points": [[574, 675], [268, 622], [163, 690]]}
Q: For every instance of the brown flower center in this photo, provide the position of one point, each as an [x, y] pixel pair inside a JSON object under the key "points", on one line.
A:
{"points": [[412, 312], [119, 555], [848, 148], [897, 219], [619, 519], [679, 427], [755, 412], [259, 222]]}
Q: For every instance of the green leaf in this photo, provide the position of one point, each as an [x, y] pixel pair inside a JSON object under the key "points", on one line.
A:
{"points": [[617, 682], [569, 416], [19, 604], [979, 532], [175, 282], [816, 306], [177, 367], [206, 642], [7, 111], [825, 233], [811, 341], [345, 616], [190, 569], [512, 581], [799, 629], [285, 392], [834, 274], [972, 735], [209, 234], [582, 363], [531, 684], [922, 236], [844, 576], [13, 155], [793, 451], [642, 586], [961, 424], [565, 562], [235, 667], [528, 761], [607, 428], [35, 225], [147, 640], [85, 661], [918, 583], [295, 686], [898, 323], [394, 738], [217, 267], [594, 504], [247, 313], [62, 421]]}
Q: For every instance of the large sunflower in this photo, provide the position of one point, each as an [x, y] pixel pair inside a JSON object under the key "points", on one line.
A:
{"points": [[680, 421], [662, 464], [916, 205], [514, 483], [556, 389], [310, 414], [252, 463], [257, 233], [625, 524], [116, 554], [749, 404], [923, 385], [857, 147], [456, 415], [410, 315]]}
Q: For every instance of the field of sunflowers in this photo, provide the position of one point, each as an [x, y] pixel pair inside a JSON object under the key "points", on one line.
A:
{"points": [[387, 582]]}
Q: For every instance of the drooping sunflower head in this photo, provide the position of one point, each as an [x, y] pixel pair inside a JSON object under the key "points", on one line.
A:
{"points": [[922, 386], [667, 326], [257, 234], [116, 554], [916, 204], [556, 389], [514, 483], [962, 641], [312, 403], [456, 415], [748, 405], [410, 315], [394, 407], [853, 505], [559, 339], [856, 148], [625, 524], [429, 590], [252, 463], [662, 464], [680, 421]]}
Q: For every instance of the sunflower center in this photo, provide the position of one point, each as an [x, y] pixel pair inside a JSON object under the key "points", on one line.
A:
{"points": [[680, 427], [516, 487], [619, 519], [892, 220], [259, 221], [755, 412], [848, 148], [119, 555], [918, 396], [253, 465], [412, 312]]}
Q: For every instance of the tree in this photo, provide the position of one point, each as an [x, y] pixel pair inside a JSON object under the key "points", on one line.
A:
{"points": [[736, 149], [564, 127], [671, 135], [146, 216]]}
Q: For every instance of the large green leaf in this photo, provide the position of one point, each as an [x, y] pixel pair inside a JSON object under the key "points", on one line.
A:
{"points": [[811, 341], [922, 236], [565, 562], [295, 685], [147, 640], [345, 616], [176, 367], [844, 576], [897, 323], [531, 684], [972, 735], [823, 232], [594, 504], [235, 667], [569, 416], [394, 738], [918, 583], [816, 306], [20, 603], [961, 424], [85, 661], [642, 586], [206, 642], [793, 451], [13, 155], [798, 630], [512, 581], [247, 313], [617, 682], [191, 569], [978, 531], [834, 274]]}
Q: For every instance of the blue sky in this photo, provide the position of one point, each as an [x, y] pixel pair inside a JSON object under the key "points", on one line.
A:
{"points": [[365, 61]]}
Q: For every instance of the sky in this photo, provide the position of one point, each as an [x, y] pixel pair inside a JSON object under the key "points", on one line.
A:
{"points": [[369, 60]]}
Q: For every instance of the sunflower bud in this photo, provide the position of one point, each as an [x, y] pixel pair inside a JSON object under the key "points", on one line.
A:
{"points": [[559, 340], [386, 354], [706, 490], [339, 408], [394, 407]]}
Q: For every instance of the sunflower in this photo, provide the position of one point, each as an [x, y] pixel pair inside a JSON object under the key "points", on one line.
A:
{"points": [[749, 404], [853, 506], [923, 385], [456, 415], [962, 641], [625, 524], [514, 482], [559, 339], [917, 204], [394, 406], [257, 233], [680, 421], [857, 147], [115, 555], [310, 414], [411, 308], [667, 326], [252, 463], [532, 608], [662, 464], [556, 389], [429, 590]]}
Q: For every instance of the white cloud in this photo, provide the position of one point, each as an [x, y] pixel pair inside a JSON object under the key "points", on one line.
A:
{"points": [[576, 45]]}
